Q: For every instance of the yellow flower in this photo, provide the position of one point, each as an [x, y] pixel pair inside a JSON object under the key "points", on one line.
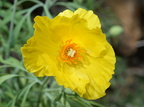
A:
{"points": [[72, 48]]}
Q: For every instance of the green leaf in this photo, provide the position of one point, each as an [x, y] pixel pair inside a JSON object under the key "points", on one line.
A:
{"points": [[115, 31], [25, 91], [6, 76], [58, 97], [87, 103], [70, 5], [12, 103], [3, 42], [96, 104], [29, 24], [19, 27], [22, 21], [69, 91], [13, 62], [22, 1], [74, 103]]}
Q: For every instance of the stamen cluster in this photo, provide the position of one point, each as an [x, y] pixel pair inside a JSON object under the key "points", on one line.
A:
{"points": [[70, 52]]}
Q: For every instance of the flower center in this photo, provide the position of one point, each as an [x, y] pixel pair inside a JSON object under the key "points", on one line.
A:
{"points": [[70, 52]]}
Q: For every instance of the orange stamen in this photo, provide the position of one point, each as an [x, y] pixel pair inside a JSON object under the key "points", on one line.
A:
{"points": [[70, 52]]}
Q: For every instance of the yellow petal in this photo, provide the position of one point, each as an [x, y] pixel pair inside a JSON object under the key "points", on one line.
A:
{"points": [[71, 78], [41, 50], [38, 62], [92, 19], [100, 72], [89, 16], [94, 41], [66, 13]]}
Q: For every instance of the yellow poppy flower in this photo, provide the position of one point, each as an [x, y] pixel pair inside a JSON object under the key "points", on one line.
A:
{"points": [[72, 48]]}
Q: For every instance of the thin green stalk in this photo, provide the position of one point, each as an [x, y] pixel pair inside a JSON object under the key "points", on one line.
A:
{"points": [[11, 30], [34, 1], [96, 104], [46, 7], [64, 97], [47, 12], [41, 88]]}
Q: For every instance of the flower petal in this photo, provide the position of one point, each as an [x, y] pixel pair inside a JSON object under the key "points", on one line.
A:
{"points": [[100, 72], [92, 19], [37, 61], [40, 50], [71, 78], [89, 16], [66, 13]]}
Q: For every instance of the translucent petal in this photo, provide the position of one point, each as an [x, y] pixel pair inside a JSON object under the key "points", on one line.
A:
{"points": [[71, 78], [66, 13], [40, 51], [100, 72], [89, 16], [92, 19]]}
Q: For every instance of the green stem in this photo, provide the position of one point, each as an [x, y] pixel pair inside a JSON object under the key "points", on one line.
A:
{"points": [[41, 88], [46, 7], [11, 30], [64, 97], [47, 12]]}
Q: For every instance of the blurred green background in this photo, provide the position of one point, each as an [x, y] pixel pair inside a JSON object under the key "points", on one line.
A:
{"points": [[18, 88]]}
